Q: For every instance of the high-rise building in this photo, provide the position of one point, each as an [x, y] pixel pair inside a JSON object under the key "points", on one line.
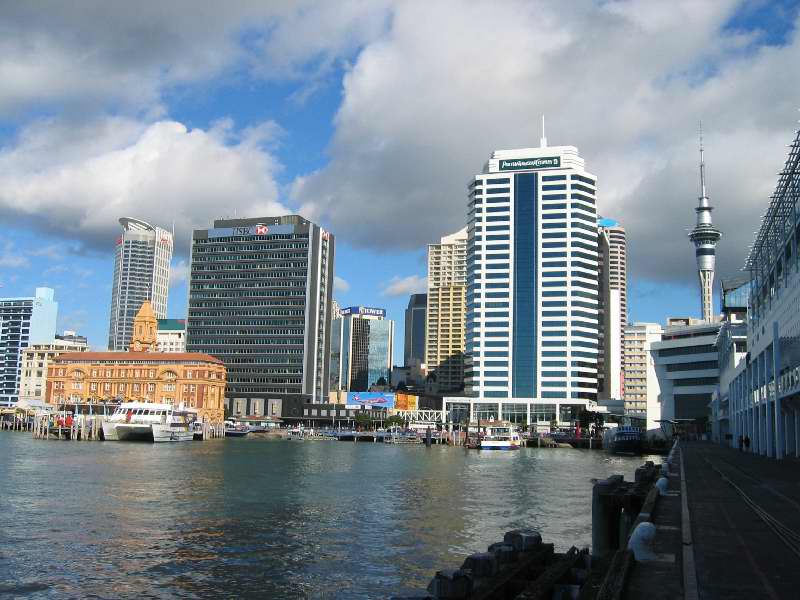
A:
{"points": [[641, 383], [362, 340], [687, 366], [171, 335], [445, 328], [705, 237], [532, 298], [35, 360], [141, 273], [23, 322], [414, 343], [260, 301], [613, 282]]}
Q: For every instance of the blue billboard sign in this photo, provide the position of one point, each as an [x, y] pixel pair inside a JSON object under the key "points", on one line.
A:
{"points": [[363, 310], [370, 400]]}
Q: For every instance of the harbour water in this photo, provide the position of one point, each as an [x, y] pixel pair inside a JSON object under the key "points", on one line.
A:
{"points": [[276, 519]]}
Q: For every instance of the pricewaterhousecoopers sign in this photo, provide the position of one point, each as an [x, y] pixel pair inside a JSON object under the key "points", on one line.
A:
{"points": [[520, 164]]}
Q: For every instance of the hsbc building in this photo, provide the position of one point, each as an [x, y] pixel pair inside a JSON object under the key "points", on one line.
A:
{"points": [[260, 301]]}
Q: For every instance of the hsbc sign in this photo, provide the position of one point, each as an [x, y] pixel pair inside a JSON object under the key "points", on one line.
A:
{"points": [[250, 230]]}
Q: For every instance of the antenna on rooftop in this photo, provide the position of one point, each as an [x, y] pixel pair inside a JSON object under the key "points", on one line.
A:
{"points": [[543, 139]]}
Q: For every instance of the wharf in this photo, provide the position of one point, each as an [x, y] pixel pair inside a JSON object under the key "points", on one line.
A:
{"points": [[731, 520]]}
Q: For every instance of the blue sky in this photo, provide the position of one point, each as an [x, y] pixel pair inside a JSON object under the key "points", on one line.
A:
{"points": [[369, 117]]}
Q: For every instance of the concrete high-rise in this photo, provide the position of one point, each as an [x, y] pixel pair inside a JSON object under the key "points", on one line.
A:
{"points": [[641, 382], [446, 312], [141, 273], [23, 322], [613, 282], [260, 301], [414, 343], [705, 237], [532, 298], [362, 342]]}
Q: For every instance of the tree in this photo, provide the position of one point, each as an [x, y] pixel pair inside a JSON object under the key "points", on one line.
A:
{"points": [[402, 387], [381, 381], [395, 420], [363, 419]]}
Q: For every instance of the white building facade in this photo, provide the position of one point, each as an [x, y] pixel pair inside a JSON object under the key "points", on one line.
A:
{"points": [[639, 370], [171, 335], [141, 272], [612, 248], [687, 366], [23, 322], [35, 360], [764, 398], [532, 289]]}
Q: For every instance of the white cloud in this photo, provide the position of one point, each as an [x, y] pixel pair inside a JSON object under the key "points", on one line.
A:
{"points": [[340, 284], [112, 55], [404, 286], [11, 259], [178, 272], [79, 180], [626, 82]]}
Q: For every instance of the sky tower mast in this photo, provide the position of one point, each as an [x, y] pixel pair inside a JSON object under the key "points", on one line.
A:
{"points": [[705, 237]]}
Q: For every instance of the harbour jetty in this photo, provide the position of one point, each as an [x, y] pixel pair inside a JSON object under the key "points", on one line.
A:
{"points": [[673, 532]]}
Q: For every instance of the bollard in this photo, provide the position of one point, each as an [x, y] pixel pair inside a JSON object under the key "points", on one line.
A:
{"points": [[605, 524], [641, 542], [504, 553], [662, 484], [482, 564], [523, 540], [451, 584]]}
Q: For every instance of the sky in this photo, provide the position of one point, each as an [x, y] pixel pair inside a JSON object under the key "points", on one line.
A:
{"points": [[369, 117]]}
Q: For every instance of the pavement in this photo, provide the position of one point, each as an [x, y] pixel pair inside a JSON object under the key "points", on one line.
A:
{"points": [[737, 551]]}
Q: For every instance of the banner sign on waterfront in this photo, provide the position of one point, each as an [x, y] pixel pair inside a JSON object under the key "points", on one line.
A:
{"points": [[521, 164], [369, 400], [406, 402], [363, 310], [250, 230]]}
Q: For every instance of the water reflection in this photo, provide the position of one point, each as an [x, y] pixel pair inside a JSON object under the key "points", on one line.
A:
{"points": [[253, 518]]}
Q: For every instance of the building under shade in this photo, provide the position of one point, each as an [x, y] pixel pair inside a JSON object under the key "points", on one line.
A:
{"points": [[361, 349], [260, 301], [197, 381], [23, 322], [141, 273], [414, 342]]}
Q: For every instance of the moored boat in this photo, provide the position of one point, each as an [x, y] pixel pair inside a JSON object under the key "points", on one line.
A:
{"points": [[177, 427], [234, 430], [623, 440], [134, 421], [500, 437]]}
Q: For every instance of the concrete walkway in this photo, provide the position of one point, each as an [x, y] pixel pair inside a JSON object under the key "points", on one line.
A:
{"points": [[732, 497]]}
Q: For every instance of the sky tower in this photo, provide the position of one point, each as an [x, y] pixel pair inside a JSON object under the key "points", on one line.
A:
{"points": [[705, 236]]}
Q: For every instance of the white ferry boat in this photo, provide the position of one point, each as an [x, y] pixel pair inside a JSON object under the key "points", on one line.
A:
{"points": [[149, 421], [500, 437]]}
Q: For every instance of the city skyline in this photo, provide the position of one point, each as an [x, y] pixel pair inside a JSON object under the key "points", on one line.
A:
{"points": [[296, 135]]}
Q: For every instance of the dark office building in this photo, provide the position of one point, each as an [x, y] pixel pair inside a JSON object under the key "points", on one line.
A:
{"points": [[414, 350], [260, 301]]}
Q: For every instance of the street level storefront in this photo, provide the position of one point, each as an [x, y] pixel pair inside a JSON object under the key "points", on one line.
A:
{"points": [[540, 414]]}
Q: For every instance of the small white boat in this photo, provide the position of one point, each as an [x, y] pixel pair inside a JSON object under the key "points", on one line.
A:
{"points": [[176, 427], [500, 437], [135, 421]]}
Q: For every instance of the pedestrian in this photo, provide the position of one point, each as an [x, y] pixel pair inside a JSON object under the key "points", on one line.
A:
{"points": [[741, 444], [747, 443]]}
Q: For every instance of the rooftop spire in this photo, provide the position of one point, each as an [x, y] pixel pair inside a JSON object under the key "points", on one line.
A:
{"points": [[543, 139], [703, 195]]}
